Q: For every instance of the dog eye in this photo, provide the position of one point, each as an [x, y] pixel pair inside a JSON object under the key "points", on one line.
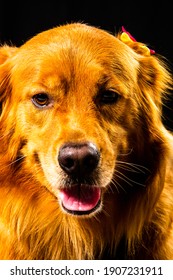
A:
{"points": [[41, 100], [108, 97]]}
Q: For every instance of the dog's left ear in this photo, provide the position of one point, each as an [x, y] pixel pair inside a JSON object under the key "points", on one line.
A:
{"points": [[154, 85], [154, 79], [6, 53]]}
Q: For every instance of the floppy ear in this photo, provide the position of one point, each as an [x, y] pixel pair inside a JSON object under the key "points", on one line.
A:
{"points": [[154, 79], [154, 82], [6, 52]]}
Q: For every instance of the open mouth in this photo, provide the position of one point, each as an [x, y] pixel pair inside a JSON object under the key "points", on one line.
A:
{"points": [[80, 199]]}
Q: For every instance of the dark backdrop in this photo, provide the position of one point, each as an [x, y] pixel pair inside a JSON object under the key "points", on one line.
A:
{"points": [[148, 21]]}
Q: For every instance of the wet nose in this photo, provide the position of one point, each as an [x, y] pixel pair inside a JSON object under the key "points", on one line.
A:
{"points": [[78, 158]]}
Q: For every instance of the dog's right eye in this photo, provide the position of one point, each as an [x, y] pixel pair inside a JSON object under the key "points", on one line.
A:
{"points": [[41, 100]]}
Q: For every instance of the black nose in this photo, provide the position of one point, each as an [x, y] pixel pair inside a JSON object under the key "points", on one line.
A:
{"points": [[78, 159]]}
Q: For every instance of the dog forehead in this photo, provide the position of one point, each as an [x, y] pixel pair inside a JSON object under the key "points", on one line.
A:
{"points": [[73, 49], [77, 40], [71, 33]]}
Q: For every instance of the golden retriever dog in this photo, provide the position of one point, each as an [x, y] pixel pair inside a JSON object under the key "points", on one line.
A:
{"points": [[86, 164]]}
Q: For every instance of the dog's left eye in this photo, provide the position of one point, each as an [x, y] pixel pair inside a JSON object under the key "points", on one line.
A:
{"points": [[41, 100], [108, 97]]}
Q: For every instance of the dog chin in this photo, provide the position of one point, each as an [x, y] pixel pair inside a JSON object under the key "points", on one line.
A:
{"points": [[80, 200]]}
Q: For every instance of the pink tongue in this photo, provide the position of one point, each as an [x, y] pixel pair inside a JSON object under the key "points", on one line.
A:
{"points": [[80, 198]]}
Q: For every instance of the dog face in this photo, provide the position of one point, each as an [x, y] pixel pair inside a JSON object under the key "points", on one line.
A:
{"points": [[77, 103]]}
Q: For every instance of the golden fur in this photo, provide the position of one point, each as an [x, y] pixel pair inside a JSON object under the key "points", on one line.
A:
{"points": [[75, 63]]}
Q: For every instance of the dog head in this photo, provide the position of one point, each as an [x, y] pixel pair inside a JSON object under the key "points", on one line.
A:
{"points": [[81, 111]]}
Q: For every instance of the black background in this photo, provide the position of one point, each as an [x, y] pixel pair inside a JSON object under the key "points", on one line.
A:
{"points": [[149, 22]]}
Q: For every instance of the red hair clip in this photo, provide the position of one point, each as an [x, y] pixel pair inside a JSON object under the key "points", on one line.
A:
{"points": [[127, 38], [130, 36]]}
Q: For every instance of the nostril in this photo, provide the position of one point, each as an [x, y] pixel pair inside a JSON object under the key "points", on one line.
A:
{"points": [[69, 162], [67, 159], [78, 159], [90, 161]]}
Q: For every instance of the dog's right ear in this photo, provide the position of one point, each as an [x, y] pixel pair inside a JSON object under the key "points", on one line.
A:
{"points": [[6, 53]]}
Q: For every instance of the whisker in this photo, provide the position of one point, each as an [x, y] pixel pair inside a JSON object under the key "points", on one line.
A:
{"points": [[118, 176], [105, 212], [127, 180], [128, 153], [134, 166], [18, 159], [130, 169], [117, 185]]}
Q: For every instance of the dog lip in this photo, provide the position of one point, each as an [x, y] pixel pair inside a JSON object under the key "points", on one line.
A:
{"points": [[82, 213], [80, 199]]}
